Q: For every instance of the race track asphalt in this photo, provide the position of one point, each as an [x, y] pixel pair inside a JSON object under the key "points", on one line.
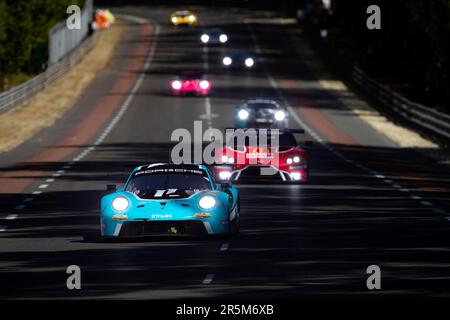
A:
{"points": [[368, 202]]}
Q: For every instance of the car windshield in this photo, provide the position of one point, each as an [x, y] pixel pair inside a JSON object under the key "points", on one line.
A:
{"points": [[190, 75], [285, 139], [261, 105], [167, 185]]}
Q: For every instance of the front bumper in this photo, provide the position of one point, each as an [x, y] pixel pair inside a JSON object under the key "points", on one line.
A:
{"points": [[147, 228], [254, 172]]}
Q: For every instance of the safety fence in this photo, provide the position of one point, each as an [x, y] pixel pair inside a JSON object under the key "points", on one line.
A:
{"points": [[436, 122], [425, 119], [63, 40]]}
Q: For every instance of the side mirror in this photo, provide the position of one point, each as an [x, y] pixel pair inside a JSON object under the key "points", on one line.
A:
{"points": [[226, 185], [111, 187], [308, 143]]}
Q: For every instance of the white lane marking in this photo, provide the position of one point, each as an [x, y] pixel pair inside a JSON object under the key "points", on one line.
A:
{"points": [[36, 192], [414, 197], [43, 186], [3, 228], [224, 247], [50, 180], [29, 199], [396, 186], [300, 122], [426, 203], [56, 175], [404, 190], [387, 181], [20, 207], [209, 278], [11, 216], [60, 171], [66, 167], [208, 113]]}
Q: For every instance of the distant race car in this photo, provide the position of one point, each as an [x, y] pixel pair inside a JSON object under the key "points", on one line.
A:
{"points": [[245, 156], [190, 82], [238, 59], [214, 36], [260, 113], [169, 199], [184, 17]]}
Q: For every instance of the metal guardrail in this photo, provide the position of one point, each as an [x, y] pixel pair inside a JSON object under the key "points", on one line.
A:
{"points": [[19, 94], [61, 40], [436, 122]]}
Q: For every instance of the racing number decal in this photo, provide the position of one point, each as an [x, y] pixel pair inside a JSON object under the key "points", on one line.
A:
{"points": [[160, 193]]}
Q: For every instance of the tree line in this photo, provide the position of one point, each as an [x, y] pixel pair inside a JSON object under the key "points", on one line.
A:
{"points": [[411, 51], [24, 26]]}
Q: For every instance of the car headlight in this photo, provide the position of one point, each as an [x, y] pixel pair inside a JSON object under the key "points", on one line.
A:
{"points": [[174, 19], [249, 62], [224, 175], [296, 159], [191, 18], [296, 176], [223, 38], [243, 114], [207, 202], [204, 84], [176, 85], [226, 159], [227, 61], [204, 38], [120, 204], [280, 115], [289, 160]]}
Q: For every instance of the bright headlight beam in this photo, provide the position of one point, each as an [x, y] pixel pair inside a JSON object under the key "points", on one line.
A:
{"points": [[227, 61], [249, 62], [204, 38], [280, 115], [243, 114], [120, 204], [223, 38], [176, 85], [224, 175], [207, 202], [296, 159], [204, 84]]}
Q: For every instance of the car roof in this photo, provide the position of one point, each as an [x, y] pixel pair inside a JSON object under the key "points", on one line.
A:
{"points": [[182, 12], [214, 30]]}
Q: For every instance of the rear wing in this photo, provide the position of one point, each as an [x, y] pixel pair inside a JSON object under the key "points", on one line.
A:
{"points": [[269, 130]]}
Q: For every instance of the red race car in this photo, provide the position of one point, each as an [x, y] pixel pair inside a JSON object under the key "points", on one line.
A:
{"points": [[190, 83], [249, 153]]}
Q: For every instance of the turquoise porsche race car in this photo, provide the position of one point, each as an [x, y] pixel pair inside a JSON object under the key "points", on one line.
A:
{"points": [[170, 199]]}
